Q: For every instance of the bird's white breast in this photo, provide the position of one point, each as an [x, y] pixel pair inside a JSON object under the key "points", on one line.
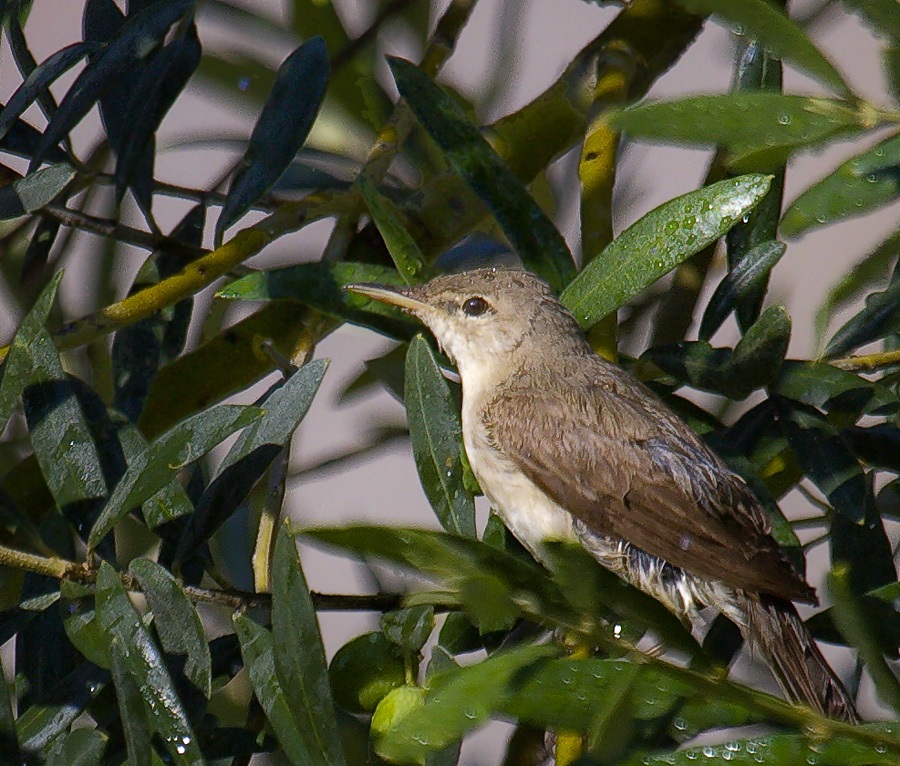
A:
{"points": [[525, 509]]}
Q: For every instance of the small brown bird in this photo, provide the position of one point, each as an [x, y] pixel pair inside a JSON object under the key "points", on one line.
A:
{"points": [[569, 446]]}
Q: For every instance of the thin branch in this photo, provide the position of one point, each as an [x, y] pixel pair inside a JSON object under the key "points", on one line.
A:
{"points": [[62, 569], [868, 362]]}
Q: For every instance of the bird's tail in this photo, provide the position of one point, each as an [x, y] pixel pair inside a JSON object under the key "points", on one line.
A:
{"points": [[775, 631]]}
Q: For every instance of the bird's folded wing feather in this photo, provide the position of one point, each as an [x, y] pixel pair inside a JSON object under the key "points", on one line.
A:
{"points": [[626, 469]]}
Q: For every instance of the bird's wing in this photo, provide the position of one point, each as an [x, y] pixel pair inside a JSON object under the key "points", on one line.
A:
{"points": [[627, 468]]}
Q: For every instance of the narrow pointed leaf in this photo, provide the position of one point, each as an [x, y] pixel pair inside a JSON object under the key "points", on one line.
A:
{"points": [[39, 80], [857, 187], [157, 465], [33, 192], [751, 272], [745, 124], [300, 657], [130, 44], [819, 385], [60, 435], [282, 127], [404, 251], [143, 660], [176, 620], [78, 747], [435, 430], [458, 700], [252, 454], [531, 233], [880, 317], [9, 743], [658, 242], [132, 709], [258, 649], [776, 32]]}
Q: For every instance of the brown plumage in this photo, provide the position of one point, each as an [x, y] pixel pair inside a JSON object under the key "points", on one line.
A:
{"points": [[567, 445]]}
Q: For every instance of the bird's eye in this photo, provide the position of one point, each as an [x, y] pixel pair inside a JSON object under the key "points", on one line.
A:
{"points": [[475, 306]]}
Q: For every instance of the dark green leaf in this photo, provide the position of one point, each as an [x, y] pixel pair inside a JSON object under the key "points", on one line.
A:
{"points": [[319, 286], [252, 454], [282, 127], [144, 662], [79, 747], [38, 726], [132, 710], [858, 186], [156, 466], [776, 32], [257, 648], [435, 430], [880, 317], [532, 235], [39, 80], [34, 191], [133, 42], [60, 436], [409, 628], [456, 702], [9, 743], [364, 670], [871, 271], [859, 626], [658, 242], [300, 658], [753, 126], [823, 385], [825, 458], [21, 139], [176, 620], [152, 95], [751, 272], [877, 445], [404, 251]]}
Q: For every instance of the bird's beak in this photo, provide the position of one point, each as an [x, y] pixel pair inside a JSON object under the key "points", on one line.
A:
{"points": [[396, 296]]}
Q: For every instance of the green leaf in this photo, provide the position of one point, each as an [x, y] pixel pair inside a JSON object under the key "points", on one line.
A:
{"points": [[874, 269], [759, 126], [658, 242], [258, 649], [404, 251], [282, 127], [458, 700], [858, 186], [776, 32], [533, 236], [300, 657], [409, 628], [320, 286], [823, 385], [153, 469], [825, 458], [364, 670], [176, 620], [860, 628], [750, 273], [60, 435], [144, 662], [880, 317], [79, 747], [251, 455], [132, 709], [30, 194], [133, 42], [435, 430]]}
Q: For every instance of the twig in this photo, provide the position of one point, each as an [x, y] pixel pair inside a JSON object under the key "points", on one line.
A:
{"points": [[62, 569], [867, 362]]}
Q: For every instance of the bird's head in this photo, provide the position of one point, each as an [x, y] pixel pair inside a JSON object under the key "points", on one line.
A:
{"points": [[483, 318]]}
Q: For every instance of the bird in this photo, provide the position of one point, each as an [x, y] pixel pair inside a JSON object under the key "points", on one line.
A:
{"points": [[569, 446]]}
